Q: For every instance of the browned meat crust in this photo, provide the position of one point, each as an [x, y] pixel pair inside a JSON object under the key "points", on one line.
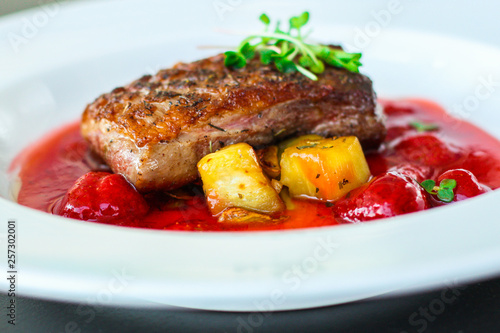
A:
{"points": [[155, 130]]}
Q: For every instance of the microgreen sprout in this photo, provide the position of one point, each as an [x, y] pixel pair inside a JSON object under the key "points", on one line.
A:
{"points": [[444, 191], [423, 127], [289, 51]]}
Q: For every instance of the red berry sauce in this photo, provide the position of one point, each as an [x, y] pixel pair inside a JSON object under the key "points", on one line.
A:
{"points": [[49, 169]]}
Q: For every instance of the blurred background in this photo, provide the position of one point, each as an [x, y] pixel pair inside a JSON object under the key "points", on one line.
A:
{"points": [[10, 6], [471, 19]]}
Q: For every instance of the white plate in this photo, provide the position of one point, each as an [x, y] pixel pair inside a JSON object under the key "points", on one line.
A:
{"points": [[87, 48]]}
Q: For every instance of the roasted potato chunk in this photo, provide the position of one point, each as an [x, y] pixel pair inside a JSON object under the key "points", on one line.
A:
{"points": [[232, 177], [324, 169], [292, 142]]}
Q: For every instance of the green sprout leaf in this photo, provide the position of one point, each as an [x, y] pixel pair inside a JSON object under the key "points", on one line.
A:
{"points": [[305, 61], [265, 19], [284, 65], [448, 184], [298, 22], [290, 52], [234, 59], [318, 67], [429, 185], [445, 195], [423, 127], [247, 51], [444, 191], [267, 55]]}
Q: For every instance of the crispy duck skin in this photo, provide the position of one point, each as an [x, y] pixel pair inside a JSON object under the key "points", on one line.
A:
{"points": [[155, 130]]}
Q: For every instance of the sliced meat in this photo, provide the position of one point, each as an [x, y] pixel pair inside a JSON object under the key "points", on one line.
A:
{"points": [[155, 130]]}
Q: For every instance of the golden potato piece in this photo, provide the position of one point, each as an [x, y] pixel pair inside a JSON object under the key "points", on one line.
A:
{"points": [[232, 177], [292, 142], [324, 169]]}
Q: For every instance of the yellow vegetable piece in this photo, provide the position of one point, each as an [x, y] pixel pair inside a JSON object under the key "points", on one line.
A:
{"points": [[232, 177], [294, 141], [324, 169]]}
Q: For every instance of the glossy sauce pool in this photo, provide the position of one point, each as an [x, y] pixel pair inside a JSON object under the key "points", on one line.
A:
{"points": [[48, 168]]}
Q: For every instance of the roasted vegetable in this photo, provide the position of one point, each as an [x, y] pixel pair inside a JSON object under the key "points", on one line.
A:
{"points": [[240, 215], [294, 141], [268, 158], [277, 185], [232, 177], [325, 169]]}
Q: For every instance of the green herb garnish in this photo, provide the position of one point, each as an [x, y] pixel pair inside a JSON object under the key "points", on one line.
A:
{"points": [[423, 127], [444, 191], [216, 127], [289, 52], [307, 146]]}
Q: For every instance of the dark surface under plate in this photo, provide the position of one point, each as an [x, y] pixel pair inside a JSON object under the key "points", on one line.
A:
{"points": [[469, 308]]}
